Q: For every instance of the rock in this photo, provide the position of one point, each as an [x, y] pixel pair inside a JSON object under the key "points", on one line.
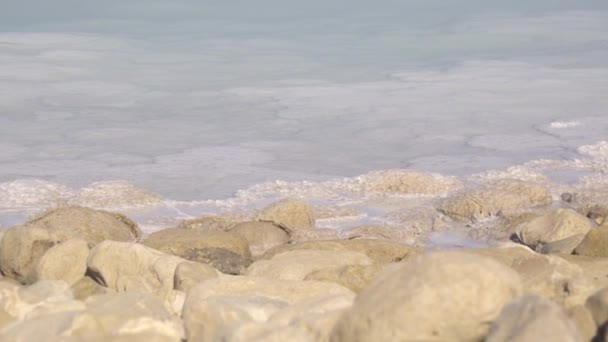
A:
{"points": [[66, 261], [86, 287], [380, 251], [553, 226], [261, 236], [218, 302], [597, 304], [385, 233], [23, 246], [533, 318], [503, 197], [595, 243], [354, 277], [222, 259], [290, 213], [593, 276], [188, 274], [565, 246], [463, 293], [582, 319], [409, 182], [211, 224], [295, 265], [115, 194], [178, 241]]}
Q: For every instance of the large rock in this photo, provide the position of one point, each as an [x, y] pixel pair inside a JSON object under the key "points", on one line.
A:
{"points": [[22, 247], [565, 246], [188, 274], [211, 224], [437, 296], [261, 236], [380, 251], [503, 197], [86, 287], [292, 214], [66, 261], [221, 259], [582, 319], [597, 304], [533, 318], [215, 303], [296, 265], [179, 241], [553, 226], [595, 243], [355, 277]]}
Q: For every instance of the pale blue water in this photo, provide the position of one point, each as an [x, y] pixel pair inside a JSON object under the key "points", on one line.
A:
{"points": [[196, 100]]}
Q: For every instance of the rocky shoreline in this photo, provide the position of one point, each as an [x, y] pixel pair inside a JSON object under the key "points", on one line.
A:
{"points": [[81, 274]]}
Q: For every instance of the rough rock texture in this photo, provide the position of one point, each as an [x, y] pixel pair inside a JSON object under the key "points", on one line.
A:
{"points": [[465, 291], [178, 241], [86, 287], [553, 226], [597, 304], [565, 246], [66, 261], [211, 224], [380, 251], [595, 243], [188, 274], [354, 277], [295, 265], [533, 318], [582, 319], [230, 299], [292, 214], [261, 236], [221, 259], [408, 182], [504, 198], [22, 246]]}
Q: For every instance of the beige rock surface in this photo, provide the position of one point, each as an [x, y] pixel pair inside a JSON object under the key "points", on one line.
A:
{"points": [[261, 236], [597, 304], [354, 277], [188, 274], [466, 292], [595, 243], [295, 265], [179, 241], [553, 226], [533, 318], [583, 320], [66, 261], [221, 259], [503, 197], [565, 246], [86, 287], [292, 214]]}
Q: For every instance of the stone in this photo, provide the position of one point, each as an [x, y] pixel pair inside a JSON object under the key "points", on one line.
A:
{"points": [[582, 319], [463, 293], [86, 287], [409, 182], [380, 251], [261, 236], [354, 277], [505, 197], [553, 226], [188, 274], [292, 214], [565, 246], [211, 224], [66, 261], [178, 241], [533, 318], [595, 243], [597, 304], [23, 246], [221, 259], [295, 265]]}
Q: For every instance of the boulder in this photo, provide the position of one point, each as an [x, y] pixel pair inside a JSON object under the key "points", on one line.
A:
{"points": [[565, 246], [292, 214], [354, 277], [505, 197], [295, 265], [380, 251], [66, 261], [221, 259], [179, 241], [533, 318], [463, 293], [582, 319], [211, 224], [86, 287], [595, 243], [23, 246], [188, 274], [597, 304], [553, 226], [261, 236]]}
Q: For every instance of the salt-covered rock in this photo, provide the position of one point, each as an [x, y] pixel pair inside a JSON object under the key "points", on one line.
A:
{"points": [[188, 274], [115, 194], [503, 197], [595, 243], [295, 265], [553, 226], [533, 318], [380, 251], [462, 294], [22, 247], [66, 261], [179, 241], [290, 213], [261, 236], [354, 277], [221, 259]]}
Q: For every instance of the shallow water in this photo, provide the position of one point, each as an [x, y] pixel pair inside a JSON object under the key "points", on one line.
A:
{"points": [[227, 107]]}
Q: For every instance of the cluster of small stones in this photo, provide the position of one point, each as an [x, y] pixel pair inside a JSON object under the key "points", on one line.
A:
{"points": [[79, 274]]}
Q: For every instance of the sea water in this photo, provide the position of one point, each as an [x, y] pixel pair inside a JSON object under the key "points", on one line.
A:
{"points": [[168, 110]]}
